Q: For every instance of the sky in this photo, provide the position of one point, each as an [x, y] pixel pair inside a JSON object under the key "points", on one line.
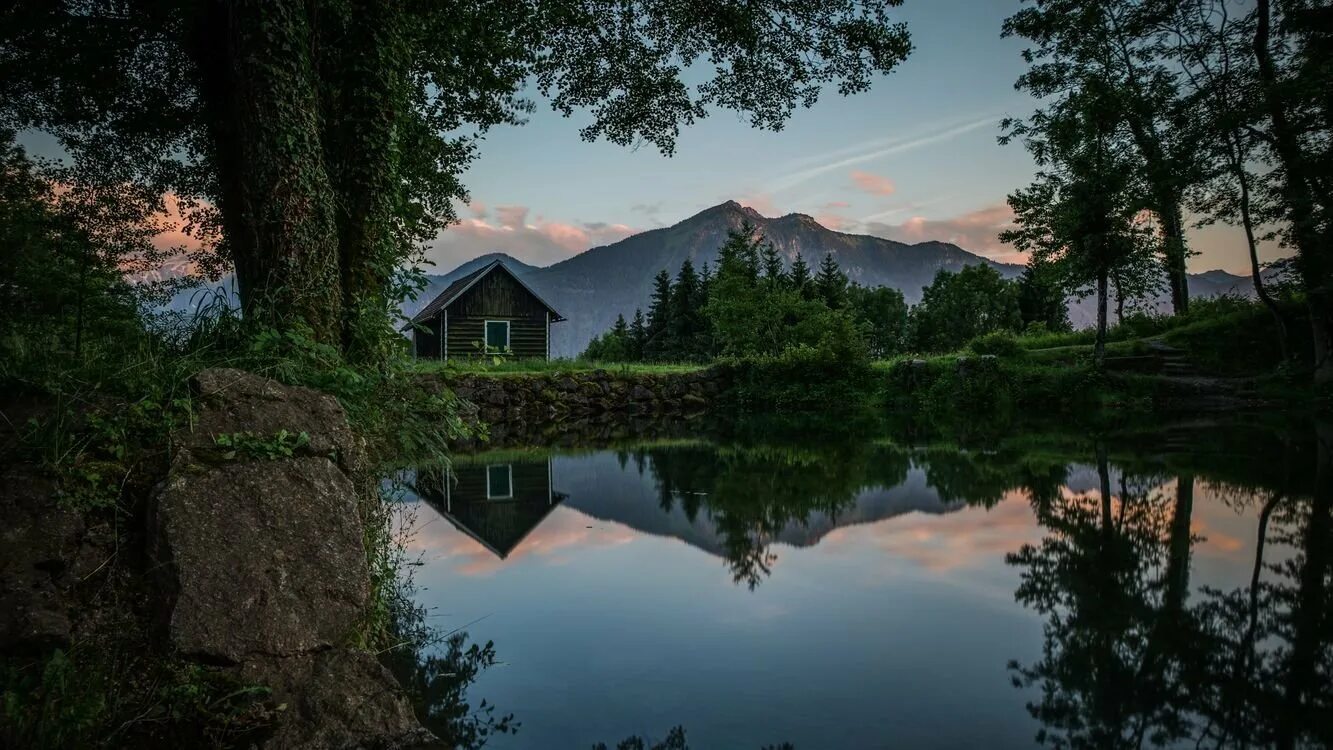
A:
{"points": [[913, 159]]}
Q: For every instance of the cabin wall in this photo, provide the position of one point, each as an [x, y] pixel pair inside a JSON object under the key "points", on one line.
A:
{"points": [[459, 330], [426, 342], [497, 296], [532, 482], [527, 338]]}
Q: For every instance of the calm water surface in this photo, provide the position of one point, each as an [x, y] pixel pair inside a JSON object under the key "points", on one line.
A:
{"points": [[868, 593]]}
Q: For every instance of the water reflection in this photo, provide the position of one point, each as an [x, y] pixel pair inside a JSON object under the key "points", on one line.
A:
{"points": [[496, 502], [1165, 592]]}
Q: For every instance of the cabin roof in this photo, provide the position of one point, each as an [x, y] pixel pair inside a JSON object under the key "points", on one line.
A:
{"points": [[460, 285], [503, 547]]}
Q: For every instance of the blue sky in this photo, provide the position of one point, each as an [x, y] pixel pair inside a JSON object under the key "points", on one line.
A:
{"points": [[913, 159]]}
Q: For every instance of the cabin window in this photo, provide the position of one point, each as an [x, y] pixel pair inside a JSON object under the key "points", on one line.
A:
{"points": [[499, 482], [497, 335]]}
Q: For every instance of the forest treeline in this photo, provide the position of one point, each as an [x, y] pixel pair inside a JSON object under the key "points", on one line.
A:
{"points": [[1157, 110], [757, 305]]}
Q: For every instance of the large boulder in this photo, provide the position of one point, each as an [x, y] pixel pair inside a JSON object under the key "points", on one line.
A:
{"points": [[264, 558], [239, 401], [338, 699]]}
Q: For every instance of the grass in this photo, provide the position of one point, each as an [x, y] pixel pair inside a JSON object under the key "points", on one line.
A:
{"points": [[500, 366]]}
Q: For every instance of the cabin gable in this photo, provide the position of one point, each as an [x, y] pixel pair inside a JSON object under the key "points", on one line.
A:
{"points": [[486, 313]]}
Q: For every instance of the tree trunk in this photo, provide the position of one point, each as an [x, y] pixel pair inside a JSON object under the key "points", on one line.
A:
{"points": [[363, 96], [277, 204], [1099, 350], [1312, 250], [1174, 251], [1119, 301], [1178, 556], [1237, 158], [1300, 716]]}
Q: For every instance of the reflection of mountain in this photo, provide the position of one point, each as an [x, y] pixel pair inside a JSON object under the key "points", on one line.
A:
{"points": [[597, 486]]}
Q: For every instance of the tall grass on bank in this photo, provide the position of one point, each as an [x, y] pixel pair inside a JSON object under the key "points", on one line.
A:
{"points": [[509, 366]]}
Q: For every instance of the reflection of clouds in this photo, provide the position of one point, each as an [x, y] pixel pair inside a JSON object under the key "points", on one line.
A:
{"points": [[939, 543], [564, 529]]}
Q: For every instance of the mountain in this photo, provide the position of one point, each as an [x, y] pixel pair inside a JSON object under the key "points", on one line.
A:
{"points": [[593, 287]]}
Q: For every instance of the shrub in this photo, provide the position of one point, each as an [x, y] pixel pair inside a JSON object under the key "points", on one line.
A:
{"points": [[999, 343]]}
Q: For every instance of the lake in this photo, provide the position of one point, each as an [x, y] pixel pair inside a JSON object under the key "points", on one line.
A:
{"points": [[873, 592]]}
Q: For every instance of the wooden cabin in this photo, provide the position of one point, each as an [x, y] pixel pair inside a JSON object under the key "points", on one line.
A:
{"points": [[487, 312], [497, 504]]}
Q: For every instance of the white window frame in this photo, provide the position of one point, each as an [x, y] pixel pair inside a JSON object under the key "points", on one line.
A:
{"points": [[489, 494], [486, 338]]}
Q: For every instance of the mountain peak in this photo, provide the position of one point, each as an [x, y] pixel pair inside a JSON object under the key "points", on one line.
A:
{"points": [[732, 206], [508, 259]]}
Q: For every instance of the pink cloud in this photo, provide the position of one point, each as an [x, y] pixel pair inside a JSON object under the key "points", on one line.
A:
{"points": [[834, 221], [478, 209], [761, 202], [512, 217], [976, 231], [971, 537], [564, 529], [872, 183], [834, 205], [511, 231]]}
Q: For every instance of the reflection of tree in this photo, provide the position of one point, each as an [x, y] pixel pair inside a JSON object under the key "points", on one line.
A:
{"points": [[1130, 661], [983, 478], [751, 494], [1273, 669], [437, 679], [675, 740], [436, 669], [1111, 577]]}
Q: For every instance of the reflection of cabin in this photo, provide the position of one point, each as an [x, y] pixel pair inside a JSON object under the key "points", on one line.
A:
{"points": [[489, 311], [498, 504]]}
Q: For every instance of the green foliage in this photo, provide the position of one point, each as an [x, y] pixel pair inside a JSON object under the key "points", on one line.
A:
{"points": [[801, 377], [749, 308], [1042, 299], [958, 307], [831, 283], [281, 444], [882, 315], [998, 343]]}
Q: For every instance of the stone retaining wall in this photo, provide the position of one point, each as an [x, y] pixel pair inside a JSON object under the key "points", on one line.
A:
{"points": [[522, 404]]}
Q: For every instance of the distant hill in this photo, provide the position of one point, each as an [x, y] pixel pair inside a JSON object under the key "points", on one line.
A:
{"points": [[593, 287]]}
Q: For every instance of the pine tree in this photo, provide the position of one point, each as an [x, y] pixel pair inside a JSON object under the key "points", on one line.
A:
{"points": [[831, 283], [772, 264], [739, 255], [638, 335], [659, 317], [686, 320], [799, 278]]}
